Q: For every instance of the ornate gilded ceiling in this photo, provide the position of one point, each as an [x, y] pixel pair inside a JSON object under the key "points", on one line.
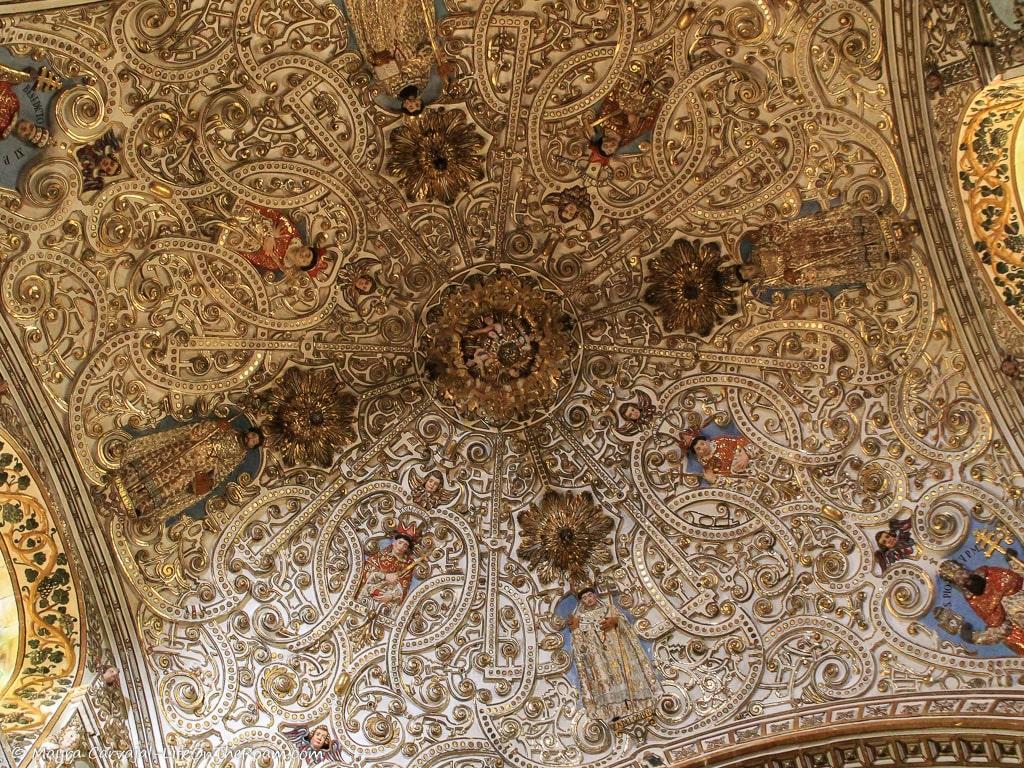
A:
{"points": [[489, 384]]}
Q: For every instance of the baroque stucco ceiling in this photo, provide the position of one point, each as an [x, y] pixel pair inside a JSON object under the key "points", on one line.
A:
{"points": [[511, 336]]}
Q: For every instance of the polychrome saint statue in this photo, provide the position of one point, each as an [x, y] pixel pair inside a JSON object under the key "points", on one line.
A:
{"points": [[168, 471]]}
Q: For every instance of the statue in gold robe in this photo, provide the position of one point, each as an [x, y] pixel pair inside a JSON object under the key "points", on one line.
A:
{"points": [[396, 37], [167, 472], [631, 108], [387, 574], [847, 245], [617, 680]]}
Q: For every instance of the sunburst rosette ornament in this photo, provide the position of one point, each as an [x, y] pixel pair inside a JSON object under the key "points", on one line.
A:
{"points": [[498, 348], [688, 289], [436, 156], [310, 415], [563, 537]]}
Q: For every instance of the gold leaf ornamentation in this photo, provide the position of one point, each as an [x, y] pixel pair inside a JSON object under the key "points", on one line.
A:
{"points": [[498, 348], [311, 415], [436, 156], [688, 290], [564, 537]]}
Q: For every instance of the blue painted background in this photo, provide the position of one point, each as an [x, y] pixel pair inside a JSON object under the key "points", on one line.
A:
{"points": [[948, 596], [250, 464], [15, 154], [432, 92], [565, 608]]}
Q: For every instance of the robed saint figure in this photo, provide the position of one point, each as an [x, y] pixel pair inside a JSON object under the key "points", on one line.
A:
{"points": [[167, 472], [387, 574], [616, 677], [397, 39], [996, 595], [843, 246], [10, 105]]}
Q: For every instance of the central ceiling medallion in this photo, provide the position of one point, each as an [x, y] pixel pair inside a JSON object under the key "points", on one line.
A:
{"points": [[498, 347]]}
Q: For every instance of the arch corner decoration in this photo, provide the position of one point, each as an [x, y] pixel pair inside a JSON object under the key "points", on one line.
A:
{"points": [[990, 168], [41, 608]]}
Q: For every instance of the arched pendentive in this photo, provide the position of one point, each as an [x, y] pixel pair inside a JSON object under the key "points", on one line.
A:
{"points": [[41, 627], [990, 161]]}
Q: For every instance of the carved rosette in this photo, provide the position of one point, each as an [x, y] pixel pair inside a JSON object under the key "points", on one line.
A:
{"points": [[563, 537], [310, 416], [498, 347], [688, 288], [436, 156]]}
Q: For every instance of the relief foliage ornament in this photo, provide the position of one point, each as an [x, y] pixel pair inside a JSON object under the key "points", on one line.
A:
{"points": [[311, 416], [41, 635], [565, 537], [990, 182], [689, 289], [498, 347], [436, 155]]}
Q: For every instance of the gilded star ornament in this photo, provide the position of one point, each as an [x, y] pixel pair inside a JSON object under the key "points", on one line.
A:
{"points": [[688, 289], [564, 537], [310, 416], [498, 348], [436, 155]]}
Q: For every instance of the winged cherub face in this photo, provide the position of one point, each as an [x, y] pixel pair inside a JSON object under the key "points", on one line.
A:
{"points": [[319, 739]]}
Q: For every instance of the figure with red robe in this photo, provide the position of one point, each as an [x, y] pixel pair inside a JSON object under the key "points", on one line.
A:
{"points": [[10, 106], [631, 109], [722, 456], [996, 595], [268, 239], [387, 575]]}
